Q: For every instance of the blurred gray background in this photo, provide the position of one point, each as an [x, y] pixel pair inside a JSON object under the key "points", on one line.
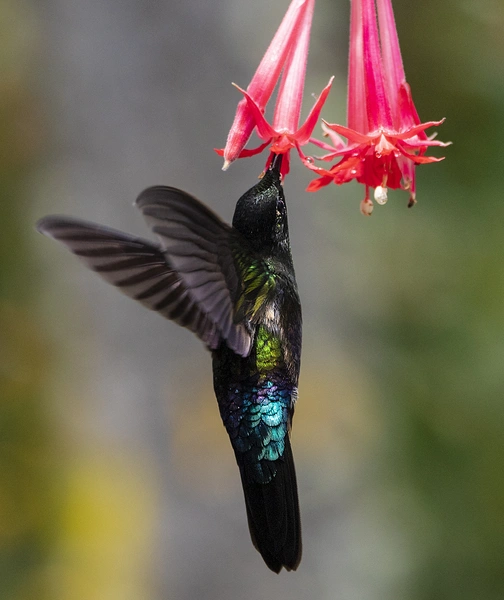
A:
{"points": [[117, 480]]}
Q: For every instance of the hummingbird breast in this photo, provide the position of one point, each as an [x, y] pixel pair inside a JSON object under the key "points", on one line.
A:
{"points": [[256, 396]]}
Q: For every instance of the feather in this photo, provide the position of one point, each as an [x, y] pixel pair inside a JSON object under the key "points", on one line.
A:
{"points": [[200, 248], [139, 268]]}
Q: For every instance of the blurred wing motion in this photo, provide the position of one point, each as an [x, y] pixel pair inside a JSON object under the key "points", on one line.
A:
{"points": [[204, 251], [137, 267], [200, 300]]}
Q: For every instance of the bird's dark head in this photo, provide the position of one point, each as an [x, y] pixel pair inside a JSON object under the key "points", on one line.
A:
{"points": [[261, 213]]}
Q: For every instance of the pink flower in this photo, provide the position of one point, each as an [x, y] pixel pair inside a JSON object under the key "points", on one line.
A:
{"points": [[288, 50], [386, 139]]}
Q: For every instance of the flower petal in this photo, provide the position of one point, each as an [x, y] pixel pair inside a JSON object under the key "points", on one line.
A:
{"points": [[321, 144], [264, 129], [393, 70], [350, 134], [417, 129], [336, 140], [316, 184], [377, 101], [246, 152], [304, 132], [419, 159], [290, 93], [265, 79]]}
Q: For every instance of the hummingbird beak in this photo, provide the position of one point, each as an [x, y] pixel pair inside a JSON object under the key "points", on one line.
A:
{"points": [[276, 165]]}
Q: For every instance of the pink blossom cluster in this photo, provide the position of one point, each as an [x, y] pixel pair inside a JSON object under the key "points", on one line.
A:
{"points": [[384, 138]]}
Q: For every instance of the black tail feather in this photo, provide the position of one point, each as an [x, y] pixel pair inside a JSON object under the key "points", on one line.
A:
{"points": [[273, 515]]}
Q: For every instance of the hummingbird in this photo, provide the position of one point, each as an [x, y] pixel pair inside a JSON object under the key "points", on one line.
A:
{"points": [[235, 288]]}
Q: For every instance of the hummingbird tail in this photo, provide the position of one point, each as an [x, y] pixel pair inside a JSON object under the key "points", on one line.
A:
{"points": [[273, 514]]}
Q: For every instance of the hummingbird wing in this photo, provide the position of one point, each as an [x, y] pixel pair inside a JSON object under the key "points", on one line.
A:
{"points": [[215, 262], [138, 267]]}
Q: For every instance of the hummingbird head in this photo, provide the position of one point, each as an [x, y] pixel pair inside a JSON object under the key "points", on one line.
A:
{"points": [[261, 213]]}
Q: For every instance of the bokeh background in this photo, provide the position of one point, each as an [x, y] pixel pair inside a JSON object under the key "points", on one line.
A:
{"points": [[116, 477]]}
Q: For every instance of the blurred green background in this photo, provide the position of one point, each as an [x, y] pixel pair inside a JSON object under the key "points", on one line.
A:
{"points": [[116, 477]]}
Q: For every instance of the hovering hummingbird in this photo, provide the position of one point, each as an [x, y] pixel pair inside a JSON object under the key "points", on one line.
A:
{"points": [[235, 288]]}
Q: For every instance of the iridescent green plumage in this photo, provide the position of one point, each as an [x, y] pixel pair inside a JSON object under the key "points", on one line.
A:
{"points": [[258, 284], [268, 351]]}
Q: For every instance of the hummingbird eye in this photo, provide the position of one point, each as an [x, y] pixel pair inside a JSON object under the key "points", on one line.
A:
{"points": [[281, 214], [280, 208]]}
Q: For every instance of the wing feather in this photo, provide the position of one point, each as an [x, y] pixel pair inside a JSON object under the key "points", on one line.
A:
{"points": [[199, 245], [203, 275], [139, 268]]}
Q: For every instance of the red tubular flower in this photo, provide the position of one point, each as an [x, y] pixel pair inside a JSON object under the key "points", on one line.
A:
{"points": [[288, 50], [386, 139]]}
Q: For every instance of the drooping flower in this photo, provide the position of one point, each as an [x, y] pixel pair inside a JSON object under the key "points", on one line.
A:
{"points": [[287, 51], [385, 138]]}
